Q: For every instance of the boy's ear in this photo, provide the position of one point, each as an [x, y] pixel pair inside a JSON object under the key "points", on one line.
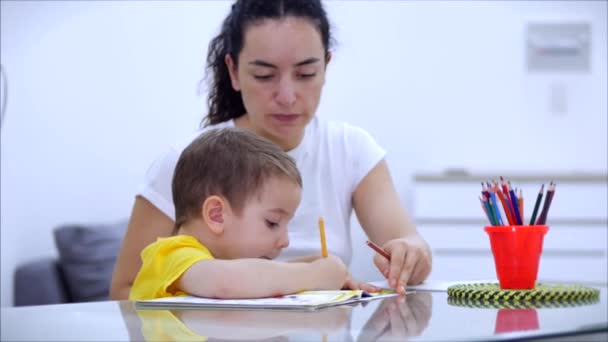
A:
{"points": [[214, 209]]}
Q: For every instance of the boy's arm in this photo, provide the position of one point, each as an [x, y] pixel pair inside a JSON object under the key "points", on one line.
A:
{"points": [[256, 278], [306, 258]]}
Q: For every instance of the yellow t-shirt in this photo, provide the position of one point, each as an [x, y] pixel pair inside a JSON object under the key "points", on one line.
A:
{"points": [[163, 262], [162, 325]]}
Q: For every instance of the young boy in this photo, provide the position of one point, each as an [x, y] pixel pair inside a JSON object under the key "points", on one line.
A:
{"points": [[234, 194]]}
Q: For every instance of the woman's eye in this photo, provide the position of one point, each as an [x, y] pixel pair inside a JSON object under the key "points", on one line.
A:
{"points": [[271, 224], [262, 77], [307, 75]]}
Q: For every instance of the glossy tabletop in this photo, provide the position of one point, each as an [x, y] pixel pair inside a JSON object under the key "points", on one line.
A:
{"points": [[420, 316]]}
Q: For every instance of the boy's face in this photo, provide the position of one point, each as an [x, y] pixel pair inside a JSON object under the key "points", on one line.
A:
{"points": [[260, 231]]}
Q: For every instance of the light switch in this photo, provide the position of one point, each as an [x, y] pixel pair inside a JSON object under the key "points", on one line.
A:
{"points": [[558, 46]]}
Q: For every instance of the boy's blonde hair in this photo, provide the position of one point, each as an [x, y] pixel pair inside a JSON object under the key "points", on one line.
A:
{"points": [[228, 162]]}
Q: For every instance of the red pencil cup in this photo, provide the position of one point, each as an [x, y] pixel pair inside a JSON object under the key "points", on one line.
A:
{"points": [[517, 251], [509, 320]]}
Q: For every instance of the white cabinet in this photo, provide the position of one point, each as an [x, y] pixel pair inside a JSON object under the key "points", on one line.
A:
{"points": [[448, 214]]}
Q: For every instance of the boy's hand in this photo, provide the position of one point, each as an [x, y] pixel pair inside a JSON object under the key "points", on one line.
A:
{"points": [[331, 273], [353, 284]]}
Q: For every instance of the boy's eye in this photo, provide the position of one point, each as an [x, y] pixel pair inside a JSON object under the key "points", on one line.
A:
{"points": [[271, 224]]}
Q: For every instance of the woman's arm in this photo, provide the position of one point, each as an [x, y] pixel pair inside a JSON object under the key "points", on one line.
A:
{"points": [[146, 224], [385, 222], [255, 278]]}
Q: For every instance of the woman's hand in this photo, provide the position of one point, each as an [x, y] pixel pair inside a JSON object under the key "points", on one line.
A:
{"points": [[387, 224], [410, 262], [352, 284]]}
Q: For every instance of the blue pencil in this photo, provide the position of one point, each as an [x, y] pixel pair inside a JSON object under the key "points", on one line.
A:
{"points": [[514, 205], [490, 212], [495, 205]]}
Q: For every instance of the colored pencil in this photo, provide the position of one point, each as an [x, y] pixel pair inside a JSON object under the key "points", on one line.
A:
{"points": [[493, 221], [520, 202], [537, 204], [485, 210], [495, 208], [484, 191], [504, 187], [542, 219], [322, 233], [504, 204], [379, 250], [514, 204], [505, 191]]}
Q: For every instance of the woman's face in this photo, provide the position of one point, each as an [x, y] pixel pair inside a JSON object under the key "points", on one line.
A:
{"points": [[280, 74]]}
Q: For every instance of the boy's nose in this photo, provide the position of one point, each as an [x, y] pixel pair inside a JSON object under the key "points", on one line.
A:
{"points": [[284, 240]]}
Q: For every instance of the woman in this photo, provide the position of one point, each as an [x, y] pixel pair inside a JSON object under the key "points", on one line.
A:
{"points": [[267, 68]]}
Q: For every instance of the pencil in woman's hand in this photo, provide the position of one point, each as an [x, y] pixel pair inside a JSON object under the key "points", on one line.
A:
{"points": [[379, 250]]}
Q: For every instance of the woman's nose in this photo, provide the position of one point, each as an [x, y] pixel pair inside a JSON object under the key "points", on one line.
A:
{"points": [[286, 93]]}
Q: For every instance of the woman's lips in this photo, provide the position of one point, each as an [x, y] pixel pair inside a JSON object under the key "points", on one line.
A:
{"points": [[285, 118]]}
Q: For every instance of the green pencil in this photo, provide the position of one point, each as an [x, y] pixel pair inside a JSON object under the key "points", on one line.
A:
{"points": [[537, 204]]}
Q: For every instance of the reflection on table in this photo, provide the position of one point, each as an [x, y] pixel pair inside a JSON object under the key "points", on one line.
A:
{"points": [[396, 317], [399, 318], [238, 325], [420, 316]]}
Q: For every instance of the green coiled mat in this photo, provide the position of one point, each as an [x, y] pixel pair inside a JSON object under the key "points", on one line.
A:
{"points": [[486, 295]]}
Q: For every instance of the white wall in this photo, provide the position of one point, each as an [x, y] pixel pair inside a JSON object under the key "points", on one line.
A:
{"points": [[97, 89]]}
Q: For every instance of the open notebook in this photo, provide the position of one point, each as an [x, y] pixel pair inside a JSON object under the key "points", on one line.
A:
{"points": [[306, 300]]}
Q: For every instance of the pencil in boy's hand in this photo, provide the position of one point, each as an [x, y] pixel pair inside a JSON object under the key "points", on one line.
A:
{"points": [[379, 250], [537, 204], [322, 233]]}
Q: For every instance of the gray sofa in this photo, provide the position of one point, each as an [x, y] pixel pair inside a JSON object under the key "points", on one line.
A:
{"points": [[81, 272]]}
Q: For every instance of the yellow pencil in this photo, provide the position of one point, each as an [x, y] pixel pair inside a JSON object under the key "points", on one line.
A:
{"points": [[322, 233]]}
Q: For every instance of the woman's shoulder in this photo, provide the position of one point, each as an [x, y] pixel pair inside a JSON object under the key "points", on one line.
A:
{"points": [[335, 130]]}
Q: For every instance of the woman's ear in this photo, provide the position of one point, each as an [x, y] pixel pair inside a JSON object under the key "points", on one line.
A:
{"points": [[327, 59], [213, 211], [234, 79]]}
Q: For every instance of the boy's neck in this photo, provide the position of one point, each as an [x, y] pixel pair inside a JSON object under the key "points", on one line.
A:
{"points": [[198, 230]]}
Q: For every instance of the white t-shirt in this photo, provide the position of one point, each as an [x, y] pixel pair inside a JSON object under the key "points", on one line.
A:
{"points": [[333, 158]]}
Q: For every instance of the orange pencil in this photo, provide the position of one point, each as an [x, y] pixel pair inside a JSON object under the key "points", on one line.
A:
{"points": [[379, 250], [322, 233]]}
